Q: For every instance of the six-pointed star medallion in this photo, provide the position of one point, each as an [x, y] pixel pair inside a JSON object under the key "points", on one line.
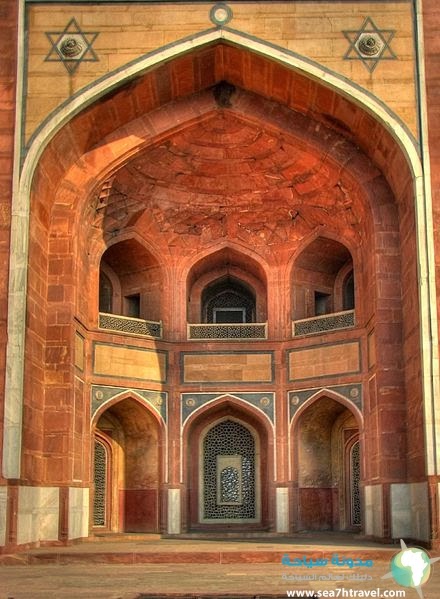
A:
{"points": [[71, 46], [369, 44]]}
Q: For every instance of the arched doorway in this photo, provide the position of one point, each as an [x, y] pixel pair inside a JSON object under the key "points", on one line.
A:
{"points": [[328, 465], [228, 464], [126, 477]]}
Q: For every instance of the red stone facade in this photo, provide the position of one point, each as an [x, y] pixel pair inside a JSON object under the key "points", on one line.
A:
{"points": [[222, 238]]}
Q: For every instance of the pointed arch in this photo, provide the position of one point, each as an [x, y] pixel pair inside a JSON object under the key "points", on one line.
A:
{"points": [[135, 437], [364, 101], [226, 408], [322, 429], [127, 394], [331, 394]]}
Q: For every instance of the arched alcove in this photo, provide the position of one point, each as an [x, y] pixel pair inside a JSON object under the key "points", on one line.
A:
{"points": [[137, 291], [327, 471], [227, 279], [227, 434], [314, 278], [130, 495], [171, 171]]}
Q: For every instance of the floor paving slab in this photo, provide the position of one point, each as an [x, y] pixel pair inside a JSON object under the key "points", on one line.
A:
{"points": [[239, 579]]}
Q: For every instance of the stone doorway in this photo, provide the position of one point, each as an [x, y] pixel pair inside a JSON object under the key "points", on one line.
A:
{"points": [[125, 495], [328, 468]]}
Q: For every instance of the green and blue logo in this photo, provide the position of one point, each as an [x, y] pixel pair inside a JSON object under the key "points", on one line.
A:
{"points": [[411, 567]]}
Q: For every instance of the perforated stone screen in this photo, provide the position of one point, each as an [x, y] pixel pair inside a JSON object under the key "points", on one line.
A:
{"points": [[99, 503], [229, 438], [355, 465]]}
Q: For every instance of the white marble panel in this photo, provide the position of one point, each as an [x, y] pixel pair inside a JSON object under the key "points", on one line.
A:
{"points": [[78, 513], [38, 514], [3, 514], [173, 511], [420, 511], [373, 510], [410, 511], [401, 518], [282, 509]]}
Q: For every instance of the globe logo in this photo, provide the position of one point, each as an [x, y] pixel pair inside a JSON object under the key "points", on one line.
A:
{"points": [[411, 567]]}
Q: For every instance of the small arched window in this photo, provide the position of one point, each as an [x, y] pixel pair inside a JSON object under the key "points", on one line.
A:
{"points": [[228, 301]]}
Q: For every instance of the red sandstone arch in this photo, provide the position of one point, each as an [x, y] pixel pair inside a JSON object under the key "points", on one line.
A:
{"points": [[70, 176], [134, 434], [242, 265], [319, 264], [357, 414], [323, 430]]}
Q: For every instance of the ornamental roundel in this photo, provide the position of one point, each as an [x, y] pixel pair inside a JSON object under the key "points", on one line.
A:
{"points": [[220, 14]]}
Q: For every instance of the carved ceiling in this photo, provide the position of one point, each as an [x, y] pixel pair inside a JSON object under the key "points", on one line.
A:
{"points": [[230, 176]]}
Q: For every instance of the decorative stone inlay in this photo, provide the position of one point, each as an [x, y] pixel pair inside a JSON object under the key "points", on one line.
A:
{"points": [[71, 46], [351, 392], [220, 14], [294, 400], [102, 393], [369, 44], [265, 402]]}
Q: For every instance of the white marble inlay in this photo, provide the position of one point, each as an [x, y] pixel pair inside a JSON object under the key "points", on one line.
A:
{"points": [[3, 515], [38, 514], [410, 511], [282, 509], [173, 511], [78, 513], [373, 510]]}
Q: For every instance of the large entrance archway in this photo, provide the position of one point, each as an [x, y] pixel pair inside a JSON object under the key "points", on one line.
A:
{"points": [[307, 165]]}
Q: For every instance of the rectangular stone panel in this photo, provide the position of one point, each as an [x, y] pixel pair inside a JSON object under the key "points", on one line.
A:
{"points": [[227, 367], [79, 351], [78, 512], [371, 349], [129, 362], [324, 360], [38, 514]]}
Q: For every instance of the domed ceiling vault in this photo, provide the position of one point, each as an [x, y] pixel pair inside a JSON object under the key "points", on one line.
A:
{"points": [[269, 142], [252, 171]]}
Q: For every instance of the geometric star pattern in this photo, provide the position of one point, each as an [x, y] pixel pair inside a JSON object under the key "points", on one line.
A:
{"points": [[71, 46], [370, 44]]}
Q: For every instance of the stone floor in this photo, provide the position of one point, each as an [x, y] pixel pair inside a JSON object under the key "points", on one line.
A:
{"points": [[147, 567]]}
